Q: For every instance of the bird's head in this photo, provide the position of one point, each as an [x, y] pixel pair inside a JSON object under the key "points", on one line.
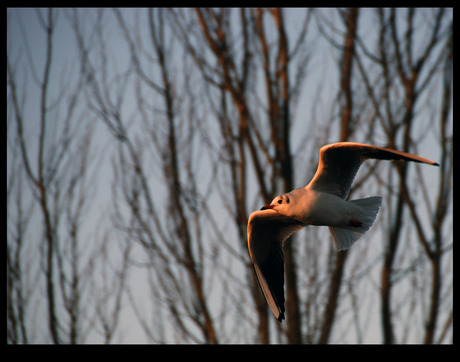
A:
{"points": [[279, 203]]}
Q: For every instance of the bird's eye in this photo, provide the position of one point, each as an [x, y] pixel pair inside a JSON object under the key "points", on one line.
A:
{"points": [[280, 201]]}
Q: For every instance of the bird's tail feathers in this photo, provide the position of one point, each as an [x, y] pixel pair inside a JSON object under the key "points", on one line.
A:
{"points": [[365, 212]]}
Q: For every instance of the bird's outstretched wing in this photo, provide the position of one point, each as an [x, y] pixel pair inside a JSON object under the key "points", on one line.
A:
{"points": [[339, 163], [267, 230]]}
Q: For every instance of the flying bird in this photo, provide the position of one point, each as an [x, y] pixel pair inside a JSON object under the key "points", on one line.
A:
{"points": [[323, 203]]}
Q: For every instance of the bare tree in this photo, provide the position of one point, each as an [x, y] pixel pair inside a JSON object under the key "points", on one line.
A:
{"points": [[411, 73], [172, 240], [235, 80], [50, 185], [18, 290]]}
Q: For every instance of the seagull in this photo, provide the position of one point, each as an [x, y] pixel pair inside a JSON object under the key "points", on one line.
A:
{"points": [[322, 203]]}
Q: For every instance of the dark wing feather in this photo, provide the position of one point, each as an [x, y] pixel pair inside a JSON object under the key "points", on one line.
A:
{"points": [[270, 274], [267, 230]]}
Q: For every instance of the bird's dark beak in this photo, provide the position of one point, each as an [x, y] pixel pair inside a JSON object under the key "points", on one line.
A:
{"points": [[267, 207]]}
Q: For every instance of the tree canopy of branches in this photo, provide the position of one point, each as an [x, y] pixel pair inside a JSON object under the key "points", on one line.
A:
{"points": [[131, 176]]}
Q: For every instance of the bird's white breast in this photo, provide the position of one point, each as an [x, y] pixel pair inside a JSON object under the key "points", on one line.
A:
{"points": [[317, 208]]}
